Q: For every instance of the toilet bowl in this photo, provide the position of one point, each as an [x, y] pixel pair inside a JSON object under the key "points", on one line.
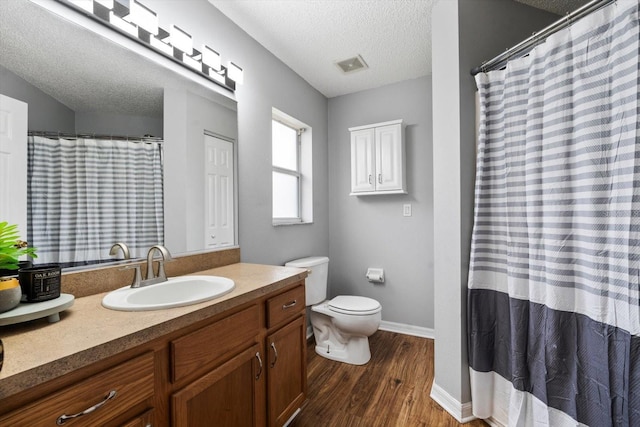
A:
{"points": [[342, 325]]}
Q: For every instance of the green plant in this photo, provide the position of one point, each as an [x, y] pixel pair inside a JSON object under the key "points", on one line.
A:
{"points": [[11, 247]]}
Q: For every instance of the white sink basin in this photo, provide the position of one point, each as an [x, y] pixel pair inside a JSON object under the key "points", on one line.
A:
{"points": [[175, 292]]}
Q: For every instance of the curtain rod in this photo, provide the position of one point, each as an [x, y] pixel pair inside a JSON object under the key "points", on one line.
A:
{"points": [[49, 134], [537, 38]]}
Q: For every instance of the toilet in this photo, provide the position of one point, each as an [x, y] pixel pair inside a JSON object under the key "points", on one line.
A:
{"points": [[341, 326]]}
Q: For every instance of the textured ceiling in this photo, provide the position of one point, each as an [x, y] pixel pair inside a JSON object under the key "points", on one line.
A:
{"points": [[393, 36]]}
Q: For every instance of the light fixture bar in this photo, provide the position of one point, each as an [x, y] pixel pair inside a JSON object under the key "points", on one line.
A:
{"points": [[139, 22]]}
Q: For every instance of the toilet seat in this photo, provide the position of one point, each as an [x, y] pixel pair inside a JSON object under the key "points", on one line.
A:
{"points": [[354, 305]]}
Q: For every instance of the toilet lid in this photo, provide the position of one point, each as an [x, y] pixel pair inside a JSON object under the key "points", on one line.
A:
{"points": [[349, 304]]}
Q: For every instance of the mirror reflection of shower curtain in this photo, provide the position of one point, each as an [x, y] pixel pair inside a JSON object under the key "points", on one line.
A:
{"points": [[84, 195]]}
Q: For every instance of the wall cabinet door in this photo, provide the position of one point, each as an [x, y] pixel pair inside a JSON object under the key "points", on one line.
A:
{"points": [[378, 159], [363, 161], [228, 396], [389, 152], [286, 380]]}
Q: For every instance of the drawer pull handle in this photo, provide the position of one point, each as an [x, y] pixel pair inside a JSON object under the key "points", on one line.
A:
{"points": [[260, 364], [289, 304], [275, 354], [63, 418], [379, 178]]}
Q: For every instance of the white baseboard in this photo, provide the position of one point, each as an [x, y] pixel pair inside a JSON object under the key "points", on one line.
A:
{"points": [[401, 328], [460, 411]]}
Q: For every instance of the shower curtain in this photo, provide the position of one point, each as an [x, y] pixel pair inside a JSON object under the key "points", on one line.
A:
{"points": [[86, 194], [553, 298]]}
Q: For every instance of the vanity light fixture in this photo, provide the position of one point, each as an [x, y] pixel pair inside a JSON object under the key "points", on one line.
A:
{"points": [[235, 73], [106, 3], [84, 4], [181, 40], [135, 20], [191, 62], [160, 45], [211, 58], [143, 17], [120, 23]]}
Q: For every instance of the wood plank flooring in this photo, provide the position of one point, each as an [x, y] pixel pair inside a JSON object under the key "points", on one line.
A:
{"points": [[392, 390]]}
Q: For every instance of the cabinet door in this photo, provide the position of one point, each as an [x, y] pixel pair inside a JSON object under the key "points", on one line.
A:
{"points": [[229, 396], [287, 379], [362, 160], [389, 167]]}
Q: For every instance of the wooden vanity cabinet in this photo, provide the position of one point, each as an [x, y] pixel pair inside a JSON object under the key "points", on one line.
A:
{"points": [[232, 391], [287, 359], [103, 399], [228, 396], [244, 367]]}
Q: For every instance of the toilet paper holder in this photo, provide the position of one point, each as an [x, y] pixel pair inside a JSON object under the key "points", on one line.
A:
{"points": [[375, 275]]}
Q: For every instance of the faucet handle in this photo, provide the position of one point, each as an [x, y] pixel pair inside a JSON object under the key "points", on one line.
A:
{"points": [[137, 277]]}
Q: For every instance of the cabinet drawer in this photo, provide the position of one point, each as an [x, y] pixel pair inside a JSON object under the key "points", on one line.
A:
{"points": [[132, 382], [285, 306], [208, 346]]}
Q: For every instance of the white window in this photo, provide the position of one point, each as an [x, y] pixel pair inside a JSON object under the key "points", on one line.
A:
{"points": [[291, 170]]}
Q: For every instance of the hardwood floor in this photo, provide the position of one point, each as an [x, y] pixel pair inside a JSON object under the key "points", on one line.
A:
{"points": [[391, 390]]}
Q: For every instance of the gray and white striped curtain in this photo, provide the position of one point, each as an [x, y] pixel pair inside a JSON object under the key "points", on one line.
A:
{"points": [[554, 282], [84, 195]]}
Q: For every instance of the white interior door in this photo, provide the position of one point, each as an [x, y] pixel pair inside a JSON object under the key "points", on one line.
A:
{"points": [[13, 163], [218, 197]]}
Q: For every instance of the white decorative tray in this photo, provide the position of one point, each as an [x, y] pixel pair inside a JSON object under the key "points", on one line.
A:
{"points": [[26, 311]]}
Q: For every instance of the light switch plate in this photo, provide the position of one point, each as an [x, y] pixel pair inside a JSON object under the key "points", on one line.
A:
{"points": [[406, 210]]}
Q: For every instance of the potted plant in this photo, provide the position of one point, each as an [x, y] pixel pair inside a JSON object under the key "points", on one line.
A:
{"points": [[11, 249]]}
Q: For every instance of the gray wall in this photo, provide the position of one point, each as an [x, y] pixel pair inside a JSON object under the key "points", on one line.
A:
{"points": [[267, 83], [370, 231], [465, 32], [188, 116], [45, 112], [118, 124]]}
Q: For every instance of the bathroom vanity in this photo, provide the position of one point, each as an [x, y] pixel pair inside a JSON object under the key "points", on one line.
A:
{"points": [[239, 360]]}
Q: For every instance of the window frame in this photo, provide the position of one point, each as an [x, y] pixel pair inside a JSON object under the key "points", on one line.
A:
{"points": [[295, 173]]}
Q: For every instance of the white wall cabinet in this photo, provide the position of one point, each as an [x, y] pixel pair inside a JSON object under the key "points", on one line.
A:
{"points": [[378, 159]]}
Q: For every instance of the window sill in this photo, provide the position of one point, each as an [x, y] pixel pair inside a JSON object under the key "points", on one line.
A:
{"points": [[287, 223]]}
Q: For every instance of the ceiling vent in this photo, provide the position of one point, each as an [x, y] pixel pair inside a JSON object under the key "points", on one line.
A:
{"points": [[352, 64]]}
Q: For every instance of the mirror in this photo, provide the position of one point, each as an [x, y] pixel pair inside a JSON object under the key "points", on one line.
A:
{"points": [[77, 81]]}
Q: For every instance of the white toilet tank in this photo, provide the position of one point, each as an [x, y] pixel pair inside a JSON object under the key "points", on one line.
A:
{"points": [[316, 281]]}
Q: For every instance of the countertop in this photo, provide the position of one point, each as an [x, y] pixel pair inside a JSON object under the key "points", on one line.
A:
{"points": [[37, 351]]}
